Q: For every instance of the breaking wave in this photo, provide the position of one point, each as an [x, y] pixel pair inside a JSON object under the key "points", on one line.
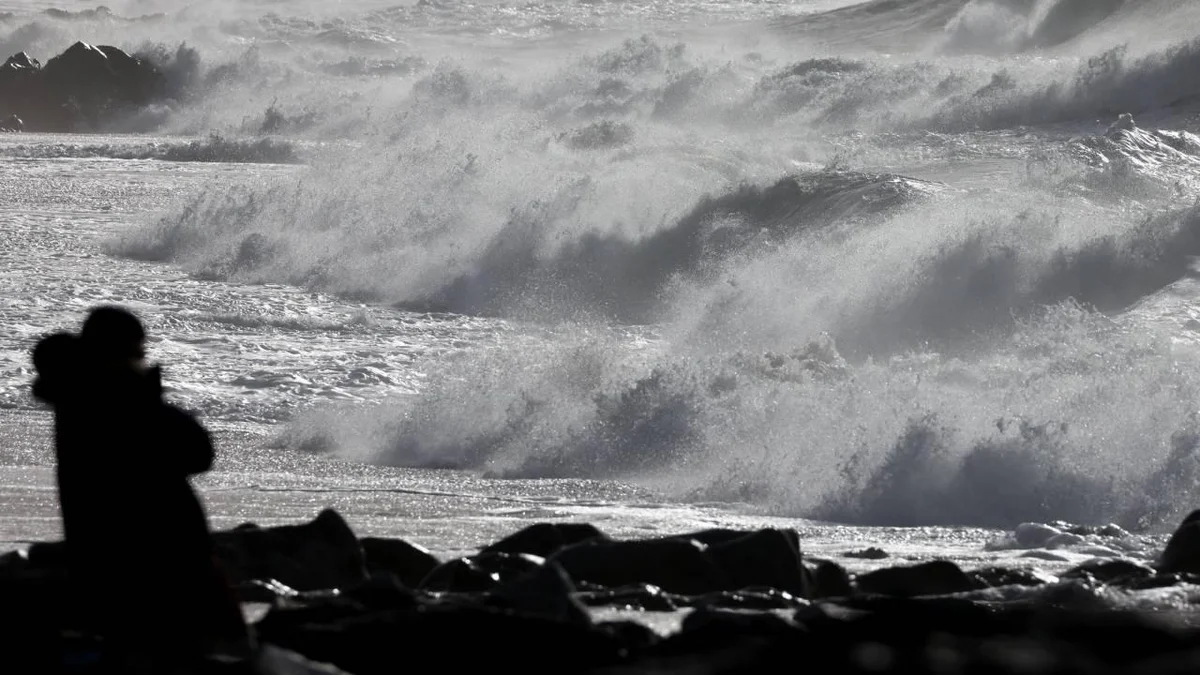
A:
{"points": [[215, 148], [880, 288]]}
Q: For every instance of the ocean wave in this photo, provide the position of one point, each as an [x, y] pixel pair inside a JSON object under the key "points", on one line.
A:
{"points": [[957, 26], [525, 266], [909, 441], [215, 148], [854, 345]]}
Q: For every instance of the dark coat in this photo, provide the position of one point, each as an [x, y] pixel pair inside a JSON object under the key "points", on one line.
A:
{"points": [[133, 526]]}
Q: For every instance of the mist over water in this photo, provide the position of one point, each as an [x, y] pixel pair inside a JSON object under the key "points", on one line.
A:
{"points": [[884, 264]]}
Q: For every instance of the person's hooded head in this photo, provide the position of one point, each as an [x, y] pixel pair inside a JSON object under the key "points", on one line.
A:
{"points": [[110, 345], [112, 337]]}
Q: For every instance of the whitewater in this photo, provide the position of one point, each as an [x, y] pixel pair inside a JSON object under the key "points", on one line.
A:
{"points": [[904, 275]]}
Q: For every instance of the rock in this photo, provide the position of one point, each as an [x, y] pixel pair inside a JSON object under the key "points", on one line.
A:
{"points": [[696, 563], [79, 89], [262, 590], [758, 599], [458, 638], [272, 660], [379, 592], [633, 635], [1064, 539], [1182, 553], [871, 553], [996, 577], [502, 611], [674, 565], [13, 563], [720, 624], [545, 539], [1034, 535], [1110, 530], [321, 554], [21, 61], [768, 557], [546, 591], [1160, 581], [12, 124], [645, 597], [409, 562], [478, 573], [47, 555], [829, 580], [939, 577], [719, 641]]}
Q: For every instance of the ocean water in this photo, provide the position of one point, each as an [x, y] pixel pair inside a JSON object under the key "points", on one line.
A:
{"points": [[894, 274]]}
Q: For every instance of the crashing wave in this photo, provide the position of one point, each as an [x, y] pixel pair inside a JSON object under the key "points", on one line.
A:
{"points": [[527, 262], [1144, 149], [215, 148]]}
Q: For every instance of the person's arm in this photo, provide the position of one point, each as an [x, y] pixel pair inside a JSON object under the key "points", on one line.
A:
{"points": [[186, 444]]}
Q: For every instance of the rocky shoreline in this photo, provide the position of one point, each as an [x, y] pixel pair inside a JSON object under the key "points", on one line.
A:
{"points": [[756, 604]]}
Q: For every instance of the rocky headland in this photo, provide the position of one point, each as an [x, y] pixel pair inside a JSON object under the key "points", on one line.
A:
{"points": [[81, 89]]}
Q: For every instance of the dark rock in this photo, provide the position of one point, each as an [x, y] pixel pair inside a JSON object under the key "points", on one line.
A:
{"points": [[79, 89], [545, 591], [829, 580], [644, 597], [633, 635], [12, 124], [321, 554], [722, 535], [545, 539], [1110, 530], [47, 555], [21, 61], [1110, 571], [1182, 553], [1161, 581], [378, 592], [456, 638], [478, 573], [13, 563], [995, 577], [502, 611], [723, 641], [272, 659], [696, 563], [939, 577], [674, 565], [262, 590], [909, 626], [750, 599], [408, 562], [768, 557], [721, 624], [871, 553]]}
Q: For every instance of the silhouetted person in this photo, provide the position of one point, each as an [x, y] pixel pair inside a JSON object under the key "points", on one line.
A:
{"points": [[138, 546]]}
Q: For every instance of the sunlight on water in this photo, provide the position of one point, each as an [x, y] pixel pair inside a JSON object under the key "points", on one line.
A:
{"points": [[890, 264]]}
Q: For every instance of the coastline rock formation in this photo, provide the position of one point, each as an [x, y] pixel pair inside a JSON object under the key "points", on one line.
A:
{"points": [[78, 90], [372, 605]]}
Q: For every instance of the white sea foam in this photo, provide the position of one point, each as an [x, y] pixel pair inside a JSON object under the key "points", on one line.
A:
{"points": [[914, 279]]}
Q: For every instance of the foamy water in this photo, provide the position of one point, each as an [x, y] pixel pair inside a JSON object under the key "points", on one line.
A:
{"points": [[893, 273]]}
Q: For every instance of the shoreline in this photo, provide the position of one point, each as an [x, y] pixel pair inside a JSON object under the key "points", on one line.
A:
{"points": [[566, 598], [452, 513]]}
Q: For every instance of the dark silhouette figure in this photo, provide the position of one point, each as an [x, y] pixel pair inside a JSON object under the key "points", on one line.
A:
{"points": [[139, 550]]}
